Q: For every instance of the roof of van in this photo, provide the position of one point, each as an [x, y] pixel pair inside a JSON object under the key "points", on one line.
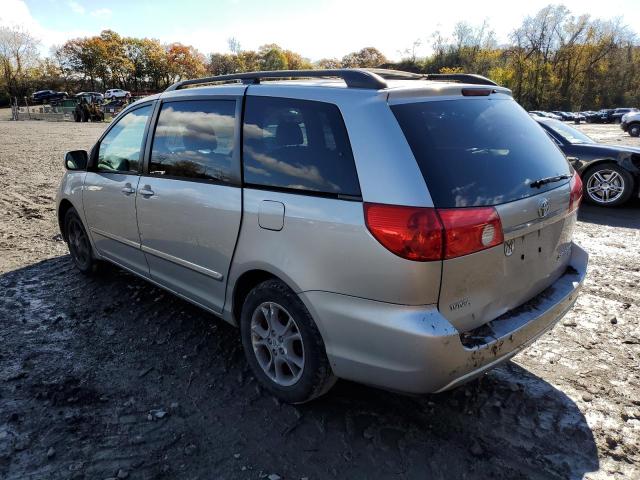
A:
{"points": [[395, 88]]}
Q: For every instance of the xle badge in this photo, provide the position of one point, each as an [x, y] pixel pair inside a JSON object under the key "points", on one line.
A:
{"points": [[509, 245]]}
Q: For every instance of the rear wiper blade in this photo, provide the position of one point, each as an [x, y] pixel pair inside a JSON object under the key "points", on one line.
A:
{"points": [[544, 181]]}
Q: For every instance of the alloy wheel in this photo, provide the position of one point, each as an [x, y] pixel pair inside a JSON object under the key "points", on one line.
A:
{"points": [[605, 186], [277, 343]]}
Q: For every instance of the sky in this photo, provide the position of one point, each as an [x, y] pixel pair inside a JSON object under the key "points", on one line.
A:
{"points": [[314, 28]]}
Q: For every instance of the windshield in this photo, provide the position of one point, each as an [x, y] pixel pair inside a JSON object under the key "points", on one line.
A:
{"points": [[476, 152], [570, 134]]}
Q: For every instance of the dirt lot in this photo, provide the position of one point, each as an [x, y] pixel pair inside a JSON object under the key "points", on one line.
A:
{"points": [[110, 376]]}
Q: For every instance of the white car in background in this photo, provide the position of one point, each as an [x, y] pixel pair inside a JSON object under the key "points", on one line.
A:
{"points": [[116, 93]]}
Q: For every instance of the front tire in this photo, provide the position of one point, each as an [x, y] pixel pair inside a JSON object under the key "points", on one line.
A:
{"points": [[283, 345], [78, 242], [607, 185], [634, 130]]}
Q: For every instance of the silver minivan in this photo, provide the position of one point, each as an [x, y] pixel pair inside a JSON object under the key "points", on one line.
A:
{"points": [[404, 231]]}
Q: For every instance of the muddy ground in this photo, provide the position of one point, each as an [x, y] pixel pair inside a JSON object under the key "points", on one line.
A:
{"points": [[109, 376]]}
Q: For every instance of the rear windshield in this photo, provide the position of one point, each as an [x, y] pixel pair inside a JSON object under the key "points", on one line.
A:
{"points": [[479, 151]]}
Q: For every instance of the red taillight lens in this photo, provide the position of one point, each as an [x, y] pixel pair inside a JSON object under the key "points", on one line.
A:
{"points": [[423, 234], [576, 192], [469, 230], [414, 233]]}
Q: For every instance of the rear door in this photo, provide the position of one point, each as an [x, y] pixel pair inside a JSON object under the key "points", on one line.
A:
{"points": [[487, 152], [190, 201], [109, 195]]}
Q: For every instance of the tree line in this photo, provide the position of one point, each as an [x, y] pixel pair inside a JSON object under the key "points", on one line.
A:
{"points": [[553, 60]]}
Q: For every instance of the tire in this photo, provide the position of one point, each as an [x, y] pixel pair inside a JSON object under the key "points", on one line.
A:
{"points": [[617, 192], [272, 306], [78, 241], [634, 129]]}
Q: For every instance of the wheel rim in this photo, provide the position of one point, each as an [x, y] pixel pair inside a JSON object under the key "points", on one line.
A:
{"points": [[79, 243], [634, 131], [277, 343], [605, 186]]}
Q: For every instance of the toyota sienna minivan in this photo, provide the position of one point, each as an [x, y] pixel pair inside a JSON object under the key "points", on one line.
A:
{"points": [[404, 231]]}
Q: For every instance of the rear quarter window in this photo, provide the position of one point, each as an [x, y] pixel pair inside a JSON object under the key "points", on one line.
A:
{"points": [[479, 151], [297, 145]]}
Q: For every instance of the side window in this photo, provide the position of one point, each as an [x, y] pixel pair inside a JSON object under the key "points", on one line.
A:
{"points": [[121, 149], [194, 139], [297, 144]]}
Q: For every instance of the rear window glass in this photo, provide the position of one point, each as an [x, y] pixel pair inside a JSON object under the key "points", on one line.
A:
{"points": [[297, 145], [194, 139], [477, 152]]}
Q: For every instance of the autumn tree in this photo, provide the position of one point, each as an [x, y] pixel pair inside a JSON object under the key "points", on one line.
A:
{"points": [[328, 63], [183, 62], [368, 57]]}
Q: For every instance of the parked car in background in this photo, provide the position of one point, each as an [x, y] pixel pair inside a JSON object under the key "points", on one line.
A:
{"points": [[610, 174], [46, 96], [545, 114], [333, 226], [579, 117], [565, 116], [631, 123], [616, 116], [91, 97], [603, 115], [116, 93]]}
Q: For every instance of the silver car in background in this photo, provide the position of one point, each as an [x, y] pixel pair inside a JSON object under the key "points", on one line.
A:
{"points": [[404, 231]]}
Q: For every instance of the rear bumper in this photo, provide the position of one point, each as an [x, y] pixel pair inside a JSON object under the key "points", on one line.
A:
{"points": [[415, 349]]}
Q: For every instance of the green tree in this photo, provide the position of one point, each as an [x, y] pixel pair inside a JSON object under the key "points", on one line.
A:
{"points": [[272, 57]]}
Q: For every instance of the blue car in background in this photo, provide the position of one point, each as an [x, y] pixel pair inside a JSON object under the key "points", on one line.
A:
{"points": [[46, 96]]}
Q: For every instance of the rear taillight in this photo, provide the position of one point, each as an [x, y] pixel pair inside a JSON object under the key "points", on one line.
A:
{"points": [[423, 234], [469, 230], [576, 192], [414, 233]]}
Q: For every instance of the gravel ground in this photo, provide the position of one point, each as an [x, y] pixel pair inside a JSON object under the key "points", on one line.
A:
{"points": [[111, 377]]}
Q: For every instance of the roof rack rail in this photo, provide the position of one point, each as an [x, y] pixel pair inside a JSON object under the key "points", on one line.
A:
{"points": [[369, 78], [471, 78], [353, 77], [460, 77]]}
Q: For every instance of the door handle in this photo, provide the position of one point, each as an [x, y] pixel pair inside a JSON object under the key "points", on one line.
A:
{"points": [[128, 189], [146, 191]]}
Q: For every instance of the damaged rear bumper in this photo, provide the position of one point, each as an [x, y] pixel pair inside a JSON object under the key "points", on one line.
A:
{"points": [[415, 349]]}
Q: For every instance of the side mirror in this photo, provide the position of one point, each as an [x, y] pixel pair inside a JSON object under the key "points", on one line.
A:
{"points": [[76, 160]]}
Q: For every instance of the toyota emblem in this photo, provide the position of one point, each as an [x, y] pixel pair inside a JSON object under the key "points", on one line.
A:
{"points": [[509, 246], [543, 208]]}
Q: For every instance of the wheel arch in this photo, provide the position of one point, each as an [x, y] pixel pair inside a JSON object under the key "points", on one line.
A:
{"points": [[596, 163], [243, 285], [63, 208]]}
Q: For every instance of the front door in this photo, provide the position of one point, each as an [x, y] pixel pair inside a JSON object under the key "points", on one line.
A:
{"points": [[109, 194], [189, 200]]}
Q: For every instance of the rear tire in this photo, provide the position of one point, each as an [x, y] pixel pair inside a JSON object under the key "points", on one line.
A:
{"points": [[634, 130], [79, 243], [607, 185], [283, 345]]}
